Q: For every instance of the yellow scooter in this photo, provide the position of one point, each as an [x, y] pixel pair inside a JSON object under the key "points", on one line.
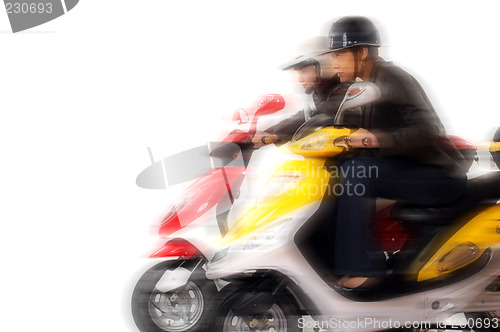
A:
{"points": [[277, 277]]}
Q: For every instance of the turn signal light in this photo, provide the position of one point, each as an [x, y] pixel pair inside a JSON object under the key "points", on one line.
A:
{"points": [[458, 257]]}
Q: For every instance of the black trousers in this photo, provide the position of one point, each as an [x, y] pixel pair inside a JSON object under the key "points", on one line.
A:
{"points": [[363, 179]]}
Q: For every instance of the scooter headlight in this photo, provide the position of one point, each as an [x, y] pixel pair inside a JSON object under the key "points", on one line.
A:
{"points": [[267, 235], [280, 184], [315, 143]]}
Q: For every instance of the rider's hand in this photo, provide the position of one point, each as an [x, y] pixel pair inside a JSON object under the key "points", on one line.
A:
{"points": [[362, 138], [262, 138]]}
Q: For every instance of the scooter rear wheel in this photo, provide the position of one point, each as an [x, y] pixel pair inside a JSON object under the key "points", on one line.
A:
{"points": [[183, 309]]}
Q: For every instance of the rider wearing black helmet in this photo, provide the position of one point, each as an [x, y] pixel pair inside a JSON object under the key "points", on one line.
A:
{"points": [[401, 136], [321, 84]]}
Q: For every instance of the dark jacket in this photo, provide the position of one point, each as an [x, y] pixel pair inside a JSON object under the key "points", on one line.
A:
{"points": [[327, 97], [405, 122]]}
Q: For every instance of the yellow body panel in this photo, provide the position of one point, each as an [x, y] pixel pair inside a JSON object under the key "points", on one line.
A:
{"points": [[495, 146], [311, 188], [328, 134], [482, 231]]}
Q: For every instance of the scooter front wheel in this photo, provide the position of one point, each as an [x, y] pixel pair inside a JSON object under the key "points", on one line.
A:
{"points": [[282, 316], [182, 309]]}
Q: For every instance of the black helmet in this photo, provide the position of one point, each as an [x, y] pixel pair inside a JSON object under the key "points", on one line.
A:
{"points": [[353, 31]]}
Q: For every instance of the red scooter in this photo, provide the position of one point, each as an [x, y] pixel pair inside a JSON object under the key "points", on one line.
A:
{"points": [[173, 294]]}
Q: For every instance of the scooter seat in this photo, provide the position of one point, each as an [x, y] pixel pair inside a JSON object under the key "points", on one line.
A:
{"points": [[481, 191]]}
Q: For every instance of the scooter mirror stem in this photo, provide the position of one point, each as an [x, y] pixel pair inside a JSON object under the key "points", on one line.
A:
{"points": [[267, 105], [359, 94], [240, 116], [151, 155]]}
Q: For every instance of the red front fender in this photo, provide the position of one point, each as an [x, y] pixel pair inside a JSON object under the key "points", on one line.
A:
{"points": [[176, 248]]}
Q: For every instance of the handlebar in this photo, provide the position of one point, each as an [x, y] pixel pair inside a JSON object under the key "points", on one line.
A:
{"points": [[343, 142]]}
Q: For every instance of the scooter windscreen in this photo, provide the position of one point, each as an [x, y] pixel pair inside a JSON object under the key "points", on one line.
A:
{"points": [[351, 118], [312, 125]]}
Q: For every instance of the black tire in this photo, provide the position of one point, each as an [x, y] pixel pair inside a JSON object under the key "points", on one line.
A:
{"points": [[155, 312], [282, 316]]}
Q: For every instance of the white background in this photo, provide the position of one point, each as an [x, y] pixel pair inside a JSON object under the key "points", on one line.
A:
{"points": [[82, 97]]}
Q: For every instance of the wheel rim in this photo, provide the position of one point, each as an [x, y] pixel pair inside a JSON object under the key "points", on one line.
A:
{"points": [[177, 311], [273, 321]]}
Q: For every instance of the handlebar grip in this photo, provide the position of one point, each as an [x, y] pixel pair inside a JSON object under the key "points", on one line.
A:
{"points": [[343, 142]]}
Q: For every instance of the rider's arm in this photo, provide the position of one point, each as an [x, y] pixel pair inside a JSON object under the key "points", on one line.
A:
{"points": [[285, 129], [262, 138], [410, 121]]}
